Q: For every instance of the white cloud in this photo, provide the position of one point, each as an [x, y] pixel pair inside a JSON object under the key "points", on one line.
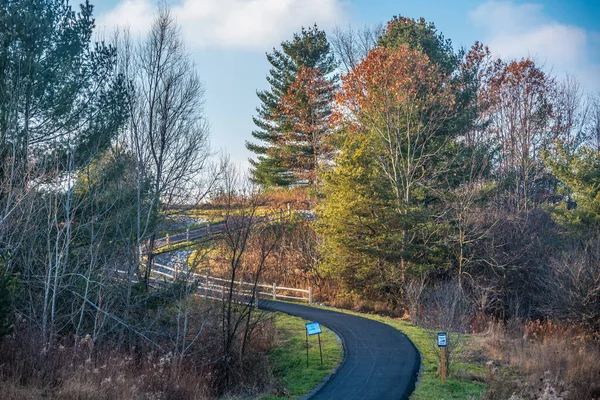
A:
{"points": [[524, 30], [250, 24], [136, 14]]}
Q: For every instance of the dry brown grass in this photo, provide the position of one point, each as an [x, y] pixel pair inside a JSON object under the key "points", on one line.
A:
{"points": [[299, 198], [550, 362], [362, 305], [77, 368]]}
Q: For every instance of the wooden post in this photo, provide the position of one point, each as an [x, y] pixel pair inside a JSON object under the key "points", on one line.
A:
{"points": [[443, 349], [310, 295], [187, 234], [274, 291], [490, 365], [208, 228]]}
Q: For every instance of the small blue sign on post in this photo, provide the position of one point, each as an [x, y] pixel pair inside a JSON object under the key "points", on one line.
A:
{"points": [[313, 328], [442, 339]]}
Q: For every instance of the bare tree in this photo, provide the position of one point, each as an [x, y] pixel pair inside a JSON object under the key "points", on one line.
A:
{"points": [[521, 96], [446, 308], [351, 45], [168, 130], [570, 113], [247, 242], [572, 286], [593, 121]]}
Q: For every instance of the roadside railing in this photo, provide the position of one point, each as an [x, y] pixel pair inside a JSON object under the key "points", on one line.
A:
{"points": [[213, 228], [215, 285]]}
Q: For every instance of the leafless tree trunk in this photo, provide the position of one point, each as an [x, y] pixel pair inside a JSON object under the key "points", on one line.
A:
{"points": [[593, 122], [244, 231], [168, 130]]}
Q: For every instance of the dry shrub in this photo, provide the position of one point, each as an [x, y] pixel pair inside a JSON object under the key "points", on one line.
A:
{"points": [[355, 303], [76, 368], [299, 198], [556, 361]]}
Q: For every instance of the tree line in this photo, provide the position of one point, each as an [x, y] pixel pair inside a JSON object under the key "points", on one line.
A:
{"points": [[104, 147], [433, 166], [440, 176]]}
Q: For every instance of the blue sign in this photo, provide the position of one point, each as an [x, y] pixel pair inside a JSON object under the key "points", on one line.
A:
{"points": [[313, 328], [442, 339]]}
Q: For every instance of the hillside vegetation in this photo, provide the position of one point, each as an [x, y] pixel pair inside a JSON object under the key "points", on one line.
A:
{"points": [[392, 172]]}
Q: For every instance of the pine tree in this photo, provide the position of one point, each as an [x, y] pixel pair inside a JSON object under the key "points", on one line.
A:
{"points": [[279, 154], [378, 211], [304, 113], [58, 89], [422, 36]]}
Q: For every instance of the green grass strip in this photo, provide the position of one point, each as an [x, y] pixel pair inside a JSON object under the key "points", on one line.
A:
{"points": [[464, 383], [289, 357]]}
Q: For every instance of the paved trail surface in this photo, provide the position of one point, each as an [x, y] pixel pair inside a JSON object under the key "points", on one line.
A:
{"points": [[381, 363]]}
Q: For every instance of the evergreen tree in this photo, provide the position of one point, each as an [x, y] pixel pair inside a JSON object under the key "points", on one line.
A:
{"points": [[304, 113], [277, 148], [579, 175], [422, 36], [59, 92]]}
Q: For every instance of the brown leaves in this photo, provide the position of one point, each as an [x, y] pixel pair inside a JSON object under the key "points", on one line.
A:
{"points": [[304, 113], [386, 81]]}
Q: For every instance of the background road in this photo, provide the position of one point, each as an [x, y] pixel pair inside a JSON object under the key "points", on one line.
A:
{"points": [[381, 363]]}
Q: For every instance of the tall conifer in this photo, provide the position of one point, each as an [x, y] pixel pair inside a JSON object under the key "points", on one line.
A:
{"points": [[308, 49]]}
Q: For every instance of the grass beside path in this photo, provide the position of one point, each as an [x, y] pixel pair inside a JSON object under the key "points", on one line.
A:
{"points": [[468, 373], [289, 357]]}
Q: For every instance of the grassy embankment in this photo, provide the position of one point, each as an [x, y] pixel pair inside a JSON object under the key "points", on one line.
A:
{"points": [[469, 371], [466, 380], [289, 358]]}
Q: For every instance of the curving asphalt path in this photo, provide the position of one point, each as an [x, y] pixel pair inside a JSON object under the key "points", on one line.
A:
{"points": [[381, 363]]}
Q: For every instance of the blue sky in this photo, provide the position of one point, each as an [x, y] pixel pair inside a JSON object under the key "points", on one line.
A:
{"points": [[228, 40]]}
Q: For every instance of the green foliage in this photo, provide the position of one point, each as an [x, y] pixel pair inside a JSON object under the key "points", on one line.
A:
{"points": [[362, 227], [59, 93], [308, 49], [351, 217], [108, 187], [579, 173], [7, 289], [423, 36]]}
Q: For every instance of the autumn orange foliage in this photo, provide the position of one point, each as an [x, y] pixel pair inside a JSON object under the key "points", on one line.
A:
{"points": [[392, 88], [304, 110]]}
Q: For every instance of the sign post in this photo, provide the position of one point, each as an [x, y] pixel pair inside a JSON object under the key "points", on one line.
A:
{"points": [[442, 344], [313, 328]]}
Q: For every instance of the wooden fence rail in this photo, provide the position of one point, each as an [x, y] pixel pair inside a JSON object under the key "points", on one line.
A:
{"points": [[216, 284]]}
